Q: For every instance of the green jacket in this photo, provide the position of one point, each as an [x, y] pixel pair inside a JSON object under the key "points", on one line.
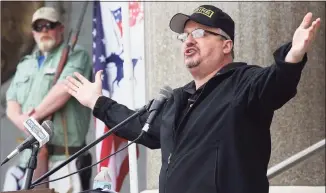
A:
{"points": [[32, 83]]}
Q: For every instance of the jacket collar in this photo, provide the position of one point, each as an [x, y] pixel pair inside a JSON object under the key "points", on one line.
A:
{"points": [[191, 87]]}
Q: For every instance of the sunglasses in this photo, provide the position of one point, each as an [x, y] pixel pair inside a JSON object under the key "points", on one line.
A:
{"points": [[48, 26]]}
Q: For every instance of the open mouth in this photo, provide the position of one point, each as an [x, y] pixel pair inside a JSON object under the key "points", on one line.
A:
{"points": [[190, 51]]}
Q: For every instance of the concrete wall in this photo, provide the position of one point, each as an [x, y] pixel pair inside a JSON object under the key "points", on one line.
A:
{"points": [[260, 28]]}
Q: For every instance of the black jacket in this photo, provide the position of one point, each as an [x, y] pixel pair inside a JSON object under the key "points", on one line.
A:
{"points": [[225, 145]]}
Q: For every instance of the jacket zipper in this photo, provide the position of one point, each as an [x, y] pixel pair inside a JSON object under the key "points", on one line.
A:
{"points": [[174, 138], [167, 172], [190, 107]]}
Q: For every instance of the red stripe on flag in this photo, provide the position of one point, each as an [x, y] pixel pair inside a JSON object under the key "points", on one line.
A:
{"points": [[124, 169], [106, 148]]}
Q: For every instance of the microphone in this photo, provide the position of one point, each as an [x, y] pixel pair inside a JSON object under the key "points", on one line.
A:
{"points": [[165, 93], [40, 134]]}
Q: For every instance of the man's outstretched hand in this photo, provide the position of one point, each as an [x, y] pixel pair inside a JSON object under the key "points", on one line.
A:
{"points": [[303, 38], [83, 90]]}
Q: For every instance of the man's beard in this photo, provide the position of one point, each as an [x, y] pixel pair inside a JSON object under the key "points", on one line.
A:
{"points": [[46, 45], [192, 63]]}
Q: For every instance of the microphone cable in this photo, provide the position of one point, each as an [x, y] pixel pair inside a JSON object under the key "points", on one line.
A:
{"points": [[165, 93], [80, 170]]}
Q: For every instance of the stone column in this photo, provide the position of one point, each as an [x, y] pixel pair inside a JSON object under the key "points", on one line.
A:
{"points": [[261, 27]]}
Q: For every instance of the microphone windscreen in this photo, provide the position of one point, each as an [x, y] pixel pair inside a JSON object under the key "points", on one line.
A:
{"points": [[166, 92]]}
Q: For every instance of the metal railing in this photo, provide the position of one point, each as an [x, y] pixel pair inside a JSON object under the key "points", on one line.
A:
{"points": [[295, 159]]}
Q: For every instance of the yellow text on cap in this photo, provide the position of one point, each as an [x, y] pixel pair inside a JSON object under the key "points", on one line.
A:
{"points": [[204, 11]]}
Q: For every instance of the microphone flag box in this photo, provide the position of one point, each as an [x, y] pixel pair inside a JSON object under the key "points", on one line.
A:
{"points": [[37, 131]]}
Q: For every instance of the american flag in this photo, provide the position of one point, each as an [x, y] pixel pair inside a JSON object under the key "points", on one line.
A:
{"points": [[117, 164]]}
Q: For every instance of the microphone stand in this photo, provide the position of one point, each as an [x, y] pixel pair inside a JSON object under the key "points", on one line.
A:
{"points": [[72, 157], [31, 166]]}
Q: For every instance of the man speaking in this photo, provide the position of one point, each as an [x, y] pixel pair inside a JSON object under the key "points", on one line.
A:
{"points": [[213, 132]]}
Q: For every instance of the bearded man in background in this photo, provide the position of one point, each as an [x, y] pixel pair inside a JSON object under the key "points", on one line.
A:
{"points": [[32, 94]]}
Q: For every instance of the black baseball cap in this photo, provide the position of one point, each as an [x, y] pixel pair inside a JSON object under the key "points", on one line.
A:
{"points": [[206, 15]]}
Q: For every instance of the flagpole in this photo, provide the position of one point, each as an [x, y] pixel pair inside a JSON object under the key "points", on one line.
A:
{"points": [[128, 73]]}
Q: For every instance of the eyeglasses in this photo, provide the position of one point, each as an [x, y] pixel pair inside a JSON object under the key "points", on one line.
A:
{"points": [[198, 33], [48, 26]]}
